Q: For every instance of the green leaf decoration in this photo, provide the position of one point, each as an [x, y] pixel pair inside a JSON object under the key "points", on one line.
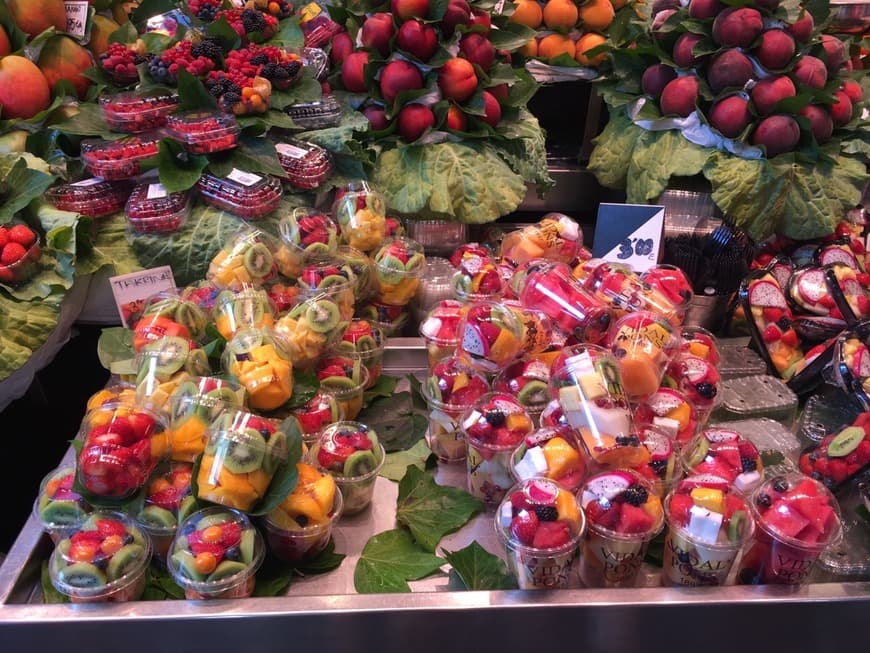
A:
{"points": [[338, 139], [478, 569], [285, 478], [289, 34], [276, 576], [771, 457], [24, 328], [325, 561], [49, 594], [88, 121], [179, 170], [159, 586], [17, 37], [305, 386], [105, 242], [226, 35], [148, 8], [253, 154], [192, 94], [304, 89], [431, 511], [657, 157], [115, 344], [398, 424], [20, 185], [526, 149], [126, 33], [511, 36], [396, 463], [385, 386], [389, 560]]}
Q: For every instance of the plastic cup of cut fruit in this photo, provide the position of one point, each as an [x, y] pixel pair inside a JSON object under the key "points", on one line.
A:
{"points": [[439, 330], [244, 309], [643, 344], [122, 393], [246, 260], [260, 361], [671, 412], [194, 405], [215, 554], [796, 519], [663, 467], [366, 340], [477, 278], [310, 328], [698, 341], [361, 212], [345, 378], [361, 266], [707, 526], [23, 263], [553, 453], [162, 366], [540, 524], [724, 453], [168, 502], [331, 279], [623, 514], [351, 453], [171, 304], [699, 380], [398, 266], [671, 282], [300, 527], [490, 336], [526, 379], [321, 410], [104, 560], [556, 237], [625, 291], [59, 509], [307, 235]]}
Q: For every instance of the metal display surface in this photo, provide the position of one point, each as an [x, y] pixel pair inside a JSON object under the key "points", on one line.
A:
{"points": [[324, 611]]}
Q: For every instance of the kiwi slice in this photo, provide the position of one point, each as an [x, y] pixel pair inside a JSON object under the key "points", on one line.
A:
{"points": [[190, 316], [532, 393], [346, 347], [227, 569], [186, 564], [365, 344], [415, 262], [186, 389], [276, 452], [373, 438], [171, 354], [216, 519], [82, 575], [736, 525], [248, 311], [188, 505], [164, 308], [375, 204], [845, 442], [197, 363], [317, 249], [246, 546], [391, 270], [332, 280], [338, 383], [610, 372], [322, 315], [61, 513], [258, 260], [698, 453], [124, 561], [359, 463], [243, 453], [157, 517], [223, 297], [356, 371]]}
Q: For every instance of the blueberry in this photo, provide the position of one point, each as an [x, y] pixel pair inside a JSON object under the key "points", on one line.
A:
{"points": [[233, 553], [763, 500], [706, 390], [780, 485]]}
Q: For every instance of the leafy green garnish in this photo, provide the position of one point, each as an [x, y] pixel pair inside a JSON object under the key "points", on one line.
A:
{"points": [[389, 560], [179, 170], [385, 386], [398, 424], [771, 457], [275, 576], [21, 184], [478, 569], [24, 328], [396, 463], [160, 586], [115, 344], [305, 386]]}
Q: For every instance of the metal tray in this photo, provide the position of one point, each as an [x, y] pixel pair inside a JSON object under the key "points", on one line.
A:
{"points": [[323, 611]]}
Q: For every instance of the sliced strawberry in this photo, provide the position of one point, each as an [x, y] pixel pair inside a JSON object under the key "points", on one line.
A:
{"points": [[202, 547], [525, 526], [772, 314], [86, 536], [107, 527], [168, 498], [552, 534], [231, 534], [771, 333]]}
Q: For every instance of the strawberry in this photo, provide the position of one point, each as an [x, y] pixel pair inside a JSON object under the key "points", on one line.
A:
{"points": [[125, 430], [200, 547], [551, 534], [771, 333], [107, 527], [168, 498], [231, 534], [518, 501], [772, 314], [23, 235], [489, 331], [790, 338], [856, 246], [525, 526], [360, 442], [863, 303], [86, 536], [827, 301], [864, 279], [330, 370], [142, 423], [837, 470], [4, 237], [12, 253]]}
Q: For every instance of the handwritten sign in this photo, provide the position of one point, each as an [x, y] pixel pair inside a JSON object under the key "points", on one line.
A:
{"points": [[630, 234], [76, 19], [131, 290]]}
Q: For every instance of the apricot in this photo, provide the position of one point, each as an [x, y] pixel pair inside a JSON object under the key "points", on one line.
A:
{"points": [[811, 72], [528, 13], [101, 28], [767, 92], [833, 52], [731, 69], [36, 16], [820, 120], [586, 43], [63, 58], [683, 55], [703, 9], [24, 91], [596, 14], [777, 134], [802, 28], [530, 49], [737, 27], [655, 78], [841, 110], [680, 96], [776, 49], [731, 116], [560, 14], [552, 45]]}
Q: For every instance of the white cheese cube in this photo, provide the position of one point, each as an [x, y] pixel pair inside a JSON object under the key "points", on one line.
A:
{"points": [[704, 524]]}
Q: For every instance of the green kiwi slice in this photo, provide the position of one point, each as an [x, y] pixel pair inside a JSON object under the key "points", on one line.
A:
{"points": [[532, 393], [216, 519], [610, 373], [338, 383], [360, 463], [356, 372], [61, 513], [124, 561], [186, 564], [346, 347], [698, 453], [276, 452], [227, 569], [365, 344], [246, 545], [192, 317], [248, 311], [164, 308], [258, 260], [845, 442], [82, 575], [433, 389], [391, 270], [736, 526], [317, 249], [322, 315], [375, 204], [188, 505], [197, 363], [224, 393], [157, 517], [415, 262], [244, 452], [332, 280], [171, 354]]}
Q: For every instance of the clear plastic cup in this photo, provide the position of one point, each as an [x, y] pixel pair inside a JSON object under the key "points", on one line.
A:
{"points": [[248, 259], [663, 467], [724, 453], [360, 211], [553, 453], [104, 560], [245, 309], [311, 327], [167, 503], [398, 265], [307, 235], [59, 509], [345, 378], [366, 340], [490, 336], [540, 525], [671, 282], [300, 527], [526, 379], [556, 237], [439, 330], [170, 304], [539, 336], [261, 363], [477, 278], [699, 342], [699, 380], [391, 319], [194, 405], [351, 453], [671, 412], [162, 366], [624, 290], [796, 519], [707, 526], [195, 565], [332, 279], [120, 393], [643, 344], [322, 409], [361, 267]]}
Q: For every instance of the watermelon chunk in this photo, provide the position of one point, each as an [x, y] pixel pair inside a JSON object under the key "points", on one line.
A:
{"points": [[785, 520], [680, 506], [805, 488], [715, 468], [634, 520], [730, 454], [605, 517], [815, 510]]}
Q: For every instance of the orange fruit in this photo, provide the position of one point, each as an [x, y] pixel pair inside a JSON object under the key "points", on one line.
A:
{"points": [[528, 13], [530, 49], [585, 43], [560, 14], [596, 14], [552, 45]]}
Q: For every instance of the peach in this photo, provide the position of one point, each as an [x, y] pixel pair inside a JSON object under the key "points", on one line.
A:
{"points": [[5, 45], [820, 120], [802, 28], [408, 9], [737, 27], [63, 58], [811, 72], [731, 69], [342, 45], [417, 38], [776, 49], [767, 92], [353, 72], [24, 91], [477, 49], [703, 9], [376, 32], [458, 12], [457, 79], [584, 44], [777, 134], [841, 110], [456, 119], [480, 19], [833, 52], [853, 90], [655, 78], [36, 16], [683, 55], [680, 96], [413, 121], [398, 76], [376, 116], [491, 109], [101, 28], [731, 116]]}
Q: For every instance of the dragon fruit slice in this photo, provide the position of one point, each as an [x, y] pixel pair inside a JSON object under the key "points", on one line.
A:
{"points": [[663, 402], [473, 342], [696, 369], [862, 363], [767, 294], [658, 445], [701, 480], [838, 255], [811, 285], [721, 435], [606, 486], [542, 492]]}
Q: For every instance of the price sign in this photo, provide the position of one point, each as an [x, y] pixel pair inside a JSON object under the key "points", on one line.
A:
{"points": [[629, 233]]}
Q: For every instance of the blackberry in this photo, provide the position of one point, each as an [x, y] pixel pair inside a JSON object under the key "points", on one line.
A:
{"points": [[706, 390], [496, 418], [270, 70], [253, 21], [293, 68], [748, 464], [763, 500], [635, 494], [231, 98], [660, 467], [207, 13], [816, 476], [780, 485], [628, 440], [783, 323], [260, 59], [209, 48], [547, 513]]}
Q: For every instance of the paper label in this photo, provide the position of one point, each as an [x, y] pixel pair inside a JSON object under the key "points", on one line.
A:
{"points": [[309, 12], [156, 191], [630, 234], [244, 178], [291, 151], [76, 18], [131, 290], [167, 23], [84, 183]]}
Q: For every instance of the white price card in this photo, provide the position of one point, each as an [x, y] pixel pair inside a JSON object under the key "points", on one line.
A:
{"points": [[629, 233], [244, 178], [131, 290], [76, 18]]}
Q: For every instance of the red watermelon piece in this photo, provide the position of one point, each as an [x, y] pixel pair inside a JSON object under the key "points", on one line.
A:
{"points": [[785, 520], [680, 506], [634, 520]]}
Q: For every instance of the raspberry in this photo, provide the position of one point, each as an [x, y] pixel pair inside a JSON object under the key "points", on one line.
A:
{"points": [[12, 253], [119, 63], [165, 67], [635, 494], [524, 526], [22, 234]]}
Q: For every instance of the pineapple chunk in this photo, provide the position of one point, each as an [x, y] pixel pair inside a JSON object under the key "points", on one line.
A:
{"points": [[592, 386], [709, 498], [561, 457]]}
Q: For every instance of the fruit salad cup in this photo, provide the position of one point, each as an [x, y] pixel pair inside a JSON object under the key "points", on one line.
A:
{"points": [[850, 292], [699, 342], [808, 291], [283, 296], [439, 330], [121, 393], [556, 237], [307, 235], [796, 518], [58, 508], [215, 555], [724, 453], [540, 339], [257, 358], [249, 308], [526, 379], [202, 293], [586, 381], [540, 524], [319, 411], [361, 213], [623, 514], [168, 502], [362, 268], [345, 378], [477, 279], [663, 468], [671, 412], [398, 265], [310, 328], [671, 282], [122, 445], [451, 388], [707, 525], [698, 380], [300, 527], [625, 292], [840, 455], [242, 454], [246, 260], [172, 305], [161, 367], [154, 327], [643, 344], [366, 340], [553, 453], [468, 248], [194, 405], [391, 319], [493, 428], [332, 280], [351, 453], [104, 560], [852, 363], [490, 336], [553, 416]]}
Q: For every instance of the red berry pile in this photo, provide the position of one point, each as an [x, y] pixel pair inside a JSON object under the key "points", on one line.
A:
{"points": [[133, 113], [250, 24], [18, 252], [321, 409], [249, 202], [119, 62], [164, 68], [114, 160], [92, 197], [307, 165], [840, 455], [148, 212], [204, 132]]}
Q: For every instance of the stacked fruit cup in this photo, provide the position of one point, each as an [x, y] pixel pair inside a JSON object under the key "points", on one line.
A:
{"points": [[351, 453], [698, 379], [122, 393], [672, 283], [724, 453], [170, 304], [556, 238], [477, 278], [361, 212], [391, 319], [624, 291], [345, 377], [300, 527], [490, 336], [333, 280], [540, 340], [362, 267], [698, 341], [259, 360], [307, 235], [439, 330], [551, 452], [310, 328], [121, 446], [398, 266], [19, 254], [643, 344], [168, 502], [526, 379], [215, 555], [319, 411], [249, 308], [154, 327], [366, 340], [451, 389], [161, 367], [540, 524], [246, 260], [662, 466], [242, 454], [194, 405], [58, 508], [104, 560], [671, 412]]}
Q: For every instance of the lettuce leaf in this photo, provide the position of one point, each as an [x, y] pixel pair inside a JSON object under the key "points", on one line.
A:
{"points": [[104, 242], [656, 158], [20, 184], [611, 157], [526, 149], [24, 328]]}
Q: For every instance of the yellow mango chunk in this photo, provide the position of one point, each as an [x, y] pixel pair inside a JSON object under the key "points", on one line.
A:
{"points": [[561, 457], [709, 498]]}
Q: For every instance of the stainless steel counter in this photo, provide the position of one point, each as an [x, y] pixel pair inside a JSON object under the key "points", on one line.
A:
{"points": [[324, 612]]}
